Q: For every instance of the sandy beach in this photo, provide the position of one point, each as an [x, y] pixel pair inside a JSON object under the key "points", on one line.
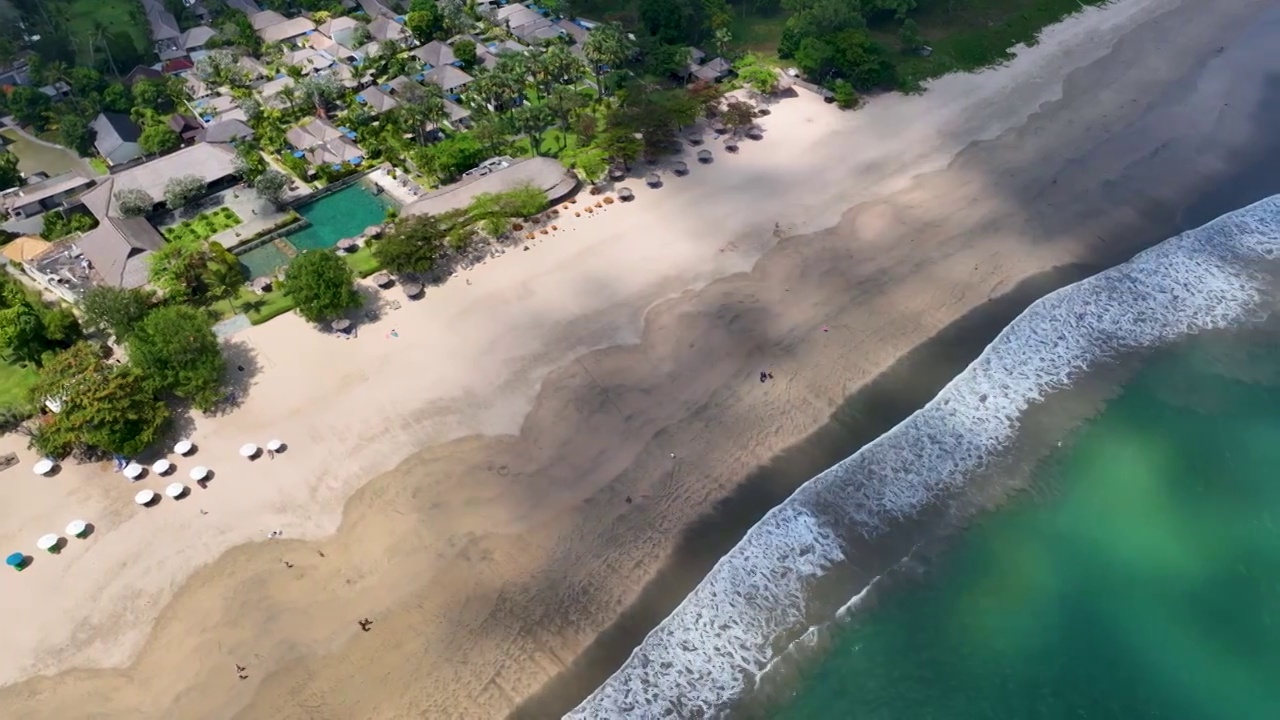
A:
{"points": [[463, 482]]}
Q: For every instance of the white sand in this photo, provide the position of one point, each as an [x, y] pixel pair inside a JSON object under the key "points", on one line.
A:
{"points": [[469, 358]]}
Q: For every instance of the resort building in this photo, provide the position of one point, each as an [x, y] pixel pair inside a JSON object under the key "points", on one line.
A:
{"points": [[39, 197], [287, 30], [450, 79], [116, 138], [495, 176], [119, 249], [376, 99], [320, 142], [434, 54], [383, 29]]}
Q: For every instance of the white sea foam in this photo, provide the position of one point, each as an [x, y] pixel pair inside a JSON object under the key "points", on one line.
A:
{"points": [[717, 642]]}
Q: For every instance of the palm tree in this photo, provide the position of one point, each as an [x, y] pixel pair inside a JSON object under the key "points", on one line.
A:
{"points": [[423, 107], [606, 47], [556, 66]]}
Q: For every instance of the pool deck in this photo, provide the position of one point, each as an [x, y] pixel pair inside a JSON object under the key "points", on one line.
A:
{"points": [[255, 213], [402, 189]]}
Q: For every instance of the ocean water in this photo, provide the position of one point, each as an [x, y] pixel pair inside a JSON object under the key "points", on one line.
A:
{"points": [[794, 591], [1139, 579]]}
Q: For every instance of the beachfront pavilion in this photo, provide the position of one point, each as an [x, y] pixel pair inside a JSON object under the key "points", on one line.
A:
{"points": [[546, 174]]}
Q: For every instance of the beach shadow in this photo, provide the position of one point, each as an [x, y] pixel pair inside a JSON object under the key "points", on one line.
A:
{"points": [[242, 370], [203, 483], [89, 529]]}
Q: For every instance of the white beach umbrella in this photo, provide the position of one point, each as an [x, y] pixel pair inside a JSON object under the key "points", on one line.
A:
{"points": [[161, 466], [175, 490], [76, 528], [48, 542], [43, 466], [199, 473], [274, 445], [248, 450], [133, 471], [144, 497], [183, 447]]}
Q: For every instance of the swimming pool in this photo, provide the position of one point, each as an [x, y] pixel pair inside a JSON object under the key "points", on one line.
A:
{"points": [[342, 214]]}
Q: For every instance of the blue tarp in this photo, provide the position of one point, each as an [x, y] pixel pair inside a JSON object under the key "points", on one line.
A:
{"points": [[356, 160], [299, 153]]}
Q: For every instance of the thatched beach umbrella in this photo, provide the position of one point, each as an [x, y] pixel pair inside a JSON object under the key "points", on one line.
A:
{"points": [[717, 126], [680, 168], [145, 497], [199, 473], [411, 289], [43, 466], [373, 231], [625, 194], [161, 466], [694, 139], [704, 156], [261, 285], [653, 180], [755, 132], [617, 172], [275, 445], [133, 471], [77, 528], [762, 111], [175, 490], [731, 144], [382, 279], [347, 244], [249, 450], [183, 447], [340, 325]]}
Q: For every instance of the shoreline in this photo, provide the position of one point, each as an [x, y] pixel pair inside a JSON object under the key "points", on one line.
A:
{"points": [[875, 408], [378, 557]]}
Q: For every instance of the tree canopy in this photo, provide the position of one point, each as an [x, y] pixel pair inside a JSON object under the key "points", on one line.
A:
{"points": [[414, 244], [271, 186], [176, 350], [115, 311], [181, 190], [10, 176], [28, 327], [100, 405], [321, 285], [134, 202], [158, 138]]}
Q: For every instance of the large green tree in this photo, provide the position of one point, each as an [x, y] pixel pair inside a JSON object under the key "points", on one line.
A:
{"points": [[606, 48], [99, 405], [321, 285], [158, 138], [181, 190], [10, 176], [414, 245], [115, 311], [271, 186], [175, 348]]}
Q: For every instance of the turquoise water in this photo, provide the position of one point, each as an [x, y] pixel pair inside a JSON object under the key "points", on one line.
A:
{"points": [[345, 213], [1140, 580]]}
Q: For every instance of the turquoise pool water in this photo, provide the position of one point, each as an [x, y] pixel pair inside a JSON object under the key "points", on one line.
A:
{"points": [[345, 213]]}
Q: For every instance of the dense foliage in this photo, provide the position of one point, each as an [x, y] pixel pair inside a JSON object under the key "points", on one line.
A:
{"points": [[321, 285], [100, 405], [175, 348], [30, 328]]}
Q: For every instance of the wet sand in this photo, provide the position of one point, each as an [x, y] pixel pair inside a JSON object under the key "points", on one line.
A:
{"points": [[488, 564]]}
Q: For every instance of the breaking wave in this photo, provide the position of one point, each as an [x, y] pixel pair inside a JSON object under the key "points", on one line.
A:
{"points": [[715, 645]]}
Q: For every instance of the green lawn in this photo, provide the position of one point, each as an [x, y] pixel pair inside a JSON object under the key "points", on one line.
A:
{"points": [[99, 165], [203, 226], [261, 308], [15, 381], [86, 17], [757, 33]]}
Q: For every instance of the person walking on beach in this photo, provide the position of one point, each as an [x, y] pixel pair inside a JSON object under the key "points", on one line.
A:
{"points": [[271, 454]]}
